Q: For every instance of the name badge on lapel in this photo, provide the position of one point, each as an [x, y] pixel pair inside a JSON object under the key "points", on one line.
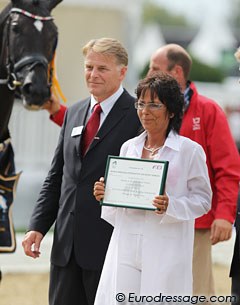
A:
{"points": [[77, 131]]}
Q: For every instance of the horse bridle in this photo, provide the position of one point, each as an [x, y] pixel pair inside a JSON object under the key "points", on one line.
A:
{"points": [[13, 68]]}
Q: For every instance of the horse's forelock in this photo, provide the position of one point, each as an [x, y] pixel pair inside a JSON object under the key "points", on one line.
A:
{"points": [[33, 6], [30, 4]]}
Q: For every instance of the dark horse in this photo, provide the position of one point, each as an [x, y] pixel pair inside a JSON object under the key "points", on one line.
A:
{"points": [[28, 39]]}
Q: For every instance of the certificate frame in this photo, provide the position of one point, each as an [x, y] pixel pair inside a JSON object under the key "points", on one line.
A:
{"points": [[133, 183]]}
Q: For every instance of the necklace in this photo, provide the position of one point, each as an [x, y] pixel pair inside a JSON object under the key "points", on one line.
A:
{"points": [[152, 150]]}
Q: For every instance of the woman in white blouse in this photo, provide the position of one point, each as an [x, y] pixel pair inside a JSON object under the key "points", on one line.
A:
{"points": [[150, 252]]}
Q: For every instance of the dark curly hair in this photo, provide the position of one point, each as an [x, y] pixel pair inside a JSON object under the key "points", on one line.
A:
{"points": [[166, 88]]}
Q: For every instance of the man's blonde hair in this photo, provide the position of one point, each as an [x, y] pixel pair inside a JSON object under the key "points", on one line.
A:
{"points": [[108, 46]]}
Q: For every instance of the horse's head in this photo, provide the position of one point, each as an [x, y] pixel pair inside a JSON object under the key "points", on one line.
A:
{"points": [[30, 47]]}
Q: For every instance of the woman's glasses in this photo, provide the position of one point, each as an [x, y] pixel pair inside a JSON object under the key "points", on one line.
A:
{"points": [[150, 106]]}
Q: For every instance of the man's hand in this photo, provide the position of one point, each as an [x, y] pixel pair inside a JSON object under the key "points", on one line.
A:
{"points": [[32, 238], [52, 106], [221, 230]]}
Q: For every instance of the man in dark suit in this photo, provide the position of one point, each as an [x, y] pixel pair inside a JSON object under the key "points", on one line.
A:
{"points": [[81, 237]]}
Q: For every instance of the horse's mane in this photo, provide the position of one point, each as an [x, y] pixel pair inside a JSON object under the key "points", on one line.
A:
{"points": [[3, 16], [4, 13]]}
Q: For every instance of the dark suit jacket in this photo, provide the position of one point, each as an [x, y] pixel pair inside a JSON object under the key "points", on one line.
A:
{"points": [[67, 193], [235, 266]]}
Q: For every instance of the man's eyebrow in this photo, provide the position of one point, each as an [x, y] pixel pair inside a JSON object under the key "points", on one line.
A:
{"points": [[102, 66]]}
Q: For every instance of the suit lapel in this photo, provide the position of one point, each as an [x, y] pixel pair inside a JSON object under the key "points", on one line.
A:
{"points": [[80, 121], [116, 114]]}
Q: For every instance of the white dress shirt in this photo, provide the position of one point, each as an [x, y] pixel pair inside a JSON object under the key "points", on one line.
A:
{"points": [[106, 105]]}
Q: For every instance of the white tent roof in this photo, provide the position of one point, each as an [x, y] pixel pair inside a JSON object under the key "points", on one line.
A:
{"points": [[211, 40], [150, 40]]}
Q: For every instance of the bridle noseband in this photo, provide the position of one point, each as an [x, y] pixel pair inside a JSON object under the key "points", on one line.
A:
{"points": [[36, 59]]}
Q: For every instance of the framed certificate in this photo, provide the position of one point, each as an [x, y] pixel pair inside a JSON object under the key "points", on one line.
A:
{"points": [[133, 183]]}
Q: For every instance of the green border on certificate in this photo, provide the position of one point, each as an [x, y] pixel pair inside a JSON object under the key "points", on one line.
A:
{"points": [[133, 183]]}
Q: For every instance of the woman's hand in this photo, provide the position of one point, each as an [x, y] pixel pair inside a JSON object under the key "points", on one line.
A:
{"points": [[99, 189], [161, 203]]}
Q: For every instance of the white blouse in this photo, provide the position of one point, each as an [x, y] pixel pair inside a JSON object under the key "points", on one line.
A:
{"points": [[187, 185], [168, 236]]}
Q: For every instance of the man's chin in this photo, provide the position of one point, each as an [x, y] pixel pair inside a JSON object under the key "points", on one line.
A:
{"points": [[93, 91]]}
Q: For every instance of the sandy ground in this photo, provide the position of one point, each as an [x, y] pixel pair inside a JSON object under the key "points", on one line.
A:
{"points": [[32, 289], [25, 281]]}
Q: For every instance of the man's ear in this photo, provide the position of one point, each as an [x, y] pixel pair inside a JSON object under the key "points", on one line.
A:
{"points": [[123, 72], [177, 70]]}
